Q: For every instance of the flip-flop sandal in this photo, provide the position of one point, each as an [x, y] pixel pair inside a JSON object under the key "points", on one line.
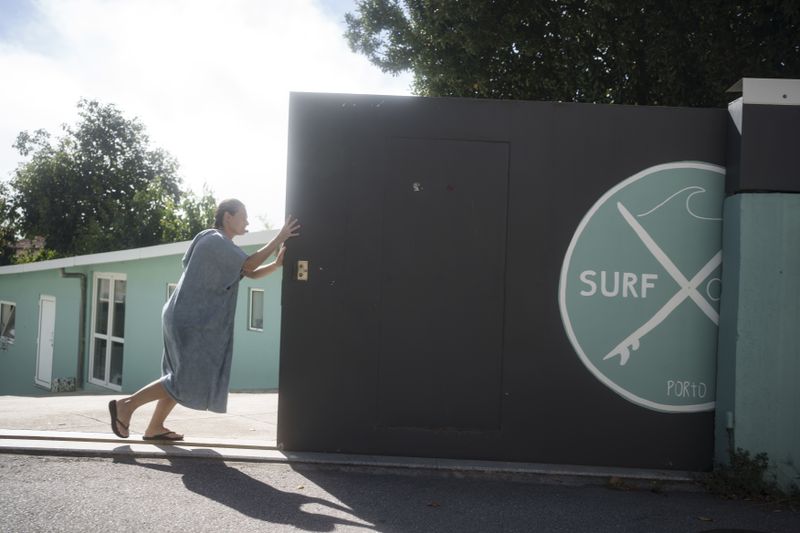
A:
{"points": [[164, 436], [112, 410]]}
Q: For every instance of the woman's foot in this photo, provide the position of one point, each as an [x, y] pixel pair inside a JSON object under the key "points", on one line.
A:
{"points": [[124, 413], [165, 434], [119, 425]]}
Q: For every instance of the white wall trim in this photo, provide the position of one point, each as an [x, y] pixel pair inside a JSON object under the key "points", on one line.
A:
{"points": [[161, 250]]}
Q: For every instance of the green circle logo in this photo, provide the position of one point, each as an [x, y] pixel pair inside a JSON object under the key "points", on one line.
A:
{"points": [[640, 285]]}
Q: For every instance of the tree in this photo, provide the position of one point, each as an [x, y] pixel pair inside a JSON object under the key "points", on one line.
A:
{"points": [[186, 219], [7, 237], [100, 186], [656, 52]]}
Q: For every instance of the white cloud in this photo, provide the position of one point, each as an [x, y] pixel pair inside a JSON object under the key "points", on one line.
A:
{"points": [[209, 79]]}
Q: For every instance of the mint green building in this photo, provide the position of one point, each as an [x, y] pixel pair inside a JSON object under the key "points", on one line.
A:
{"points": [[93, 322]]}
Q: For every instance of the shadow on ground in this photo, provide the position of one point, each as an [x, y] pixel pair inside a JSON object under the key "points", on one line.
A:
{"points": [[209, 476]]}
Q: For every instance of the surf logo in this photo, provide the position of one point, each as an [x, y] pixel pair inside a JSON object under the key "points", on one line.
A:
{"points": [[640, 286]]}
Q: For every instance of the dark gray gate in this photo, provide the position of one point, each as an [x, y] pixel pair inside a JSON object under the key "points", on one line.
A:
{"points": [[435, 231], [441, 294]]}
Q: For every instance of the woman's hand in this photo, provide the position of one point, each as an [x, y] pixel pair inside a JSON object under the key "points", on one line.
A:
{"points": [[290, 229], [279, 259], [253, 267]]}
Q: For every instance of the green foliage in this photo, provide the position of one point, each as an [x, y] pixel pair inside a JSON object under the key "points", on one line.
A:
{"points": [[655, 52], [32, 257], [101, 186], [7, 220], [189, 217], [746, 477]]}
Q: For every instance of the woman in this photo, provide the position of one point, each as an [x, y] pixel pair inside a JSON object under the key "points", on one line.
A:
{"points": [[198, 323]]}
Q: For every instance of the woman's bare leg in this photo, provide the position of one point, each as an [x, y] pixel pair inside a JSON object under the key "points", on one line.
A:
{"points": [[163, 409], [155, 391]]}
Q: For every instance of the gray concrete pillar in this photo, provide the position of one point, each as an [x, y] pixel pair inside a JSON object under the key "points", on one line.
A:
{"points": [[758, 364]]}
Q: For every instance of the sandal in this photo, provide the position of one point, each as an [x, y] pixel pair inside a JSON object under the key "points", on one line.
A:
{"points": [[112, 410], [164, 436]]}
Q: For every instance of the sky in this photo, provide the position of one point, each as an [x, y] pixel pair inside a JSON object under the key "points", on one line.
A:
{"points": [[209, 79]]}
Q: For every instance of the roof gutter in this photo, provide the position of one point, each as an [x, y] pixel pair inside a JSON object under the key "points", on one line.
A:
{"points": [[81, 325]]}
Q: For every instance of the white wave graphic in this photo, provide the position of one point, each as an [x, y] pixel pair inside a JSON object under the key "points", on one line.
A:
{"points": [[697, 190]]}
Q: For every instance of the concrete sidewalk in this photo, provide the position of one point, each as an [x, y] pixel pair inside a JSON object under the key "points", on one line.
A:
{"points": [[250, 416], [79, 424]]}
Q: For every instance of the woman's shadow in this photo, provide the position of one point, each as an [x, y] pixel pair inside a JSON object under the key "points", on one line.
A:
{"points": [[209, 476]]}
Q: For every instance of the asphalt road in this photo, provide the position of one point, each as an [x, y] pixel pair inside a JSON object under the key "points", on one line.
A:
{"points": [[40, 493]]}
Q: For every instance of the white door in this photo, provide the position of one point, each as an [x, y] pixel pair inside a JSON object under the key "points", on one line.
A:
{"points": [[44, 352]]}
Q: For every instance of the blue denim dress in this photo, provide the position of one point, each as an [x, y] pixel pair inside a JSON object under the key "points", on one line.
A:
{"points": [[198, 323]]}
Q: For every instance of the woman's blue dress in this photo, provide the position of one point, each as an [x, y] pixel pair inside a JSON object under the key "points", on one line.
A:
{"points": [[198, 323]]}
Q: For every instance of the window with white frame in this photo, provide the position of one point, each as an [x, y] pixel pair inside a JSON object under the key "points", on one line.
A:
{"points": [[170, 289], [108, 330], [256, 318], [8, 311]]}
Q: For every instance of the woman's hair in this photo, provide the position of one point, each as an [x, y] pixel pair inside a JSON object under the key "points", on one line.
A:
{"points": [[231, 206]]}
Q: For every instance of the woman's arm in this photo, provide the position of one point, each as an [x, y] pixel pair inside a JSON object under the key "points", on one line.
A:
{"points": [[253, 262], [261, 271], [264, 270]]}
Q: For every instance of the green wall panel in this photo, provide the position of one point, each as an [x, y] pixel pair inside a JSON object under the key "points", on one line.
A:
{"points": [[759, 350]]}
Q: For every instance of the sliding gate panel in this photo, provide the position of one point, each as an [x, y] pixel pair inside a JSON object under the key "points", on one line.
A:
{"points": [[437, 236], [442, 325]]}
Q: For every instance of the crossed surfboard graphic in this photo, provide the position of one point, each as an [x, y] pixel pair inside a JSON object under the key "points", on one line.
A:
{"points": [[603, 242], [688, 289]]}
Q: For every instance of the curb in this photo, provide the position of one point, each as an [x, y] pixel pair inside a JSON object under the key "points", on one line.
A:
{"points": [[103, 445]]}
